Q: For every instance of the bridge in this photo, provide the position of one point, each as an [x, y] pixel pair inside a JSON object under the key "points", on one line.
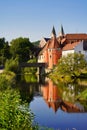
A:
{"points": [[41, 66]]}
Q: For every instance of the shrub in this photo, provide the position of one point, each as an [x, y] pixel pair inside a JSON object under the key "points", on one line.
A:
{"points": [[12, 65], [7, 79], [13, 115]]}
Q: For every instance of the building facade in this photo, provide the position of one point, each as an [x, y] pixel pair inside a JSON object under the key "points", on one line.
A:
{"points": [[51, 51], [55, 47]]}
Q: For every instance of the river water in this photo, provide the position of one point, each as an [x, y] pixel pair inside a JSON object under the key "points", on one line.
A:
{"points": [[54, 106]]}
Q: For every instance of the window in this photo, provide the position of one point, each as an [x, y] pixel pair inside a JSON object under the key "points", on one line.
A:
{"points": [[49, 50], [50, 56]]}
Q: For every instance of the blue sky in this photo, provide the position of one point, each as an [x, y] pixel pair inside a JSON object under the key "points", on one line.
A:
{"points": [[35, 18]]}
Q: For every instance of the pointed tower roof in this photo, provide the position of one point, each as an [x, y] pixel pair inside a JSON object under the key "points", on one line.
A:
{"points": [[61, 33], [53, 34]]}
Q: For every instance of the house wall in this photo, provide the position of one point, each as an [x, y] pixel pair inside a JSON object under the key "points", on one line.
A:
{"points": [[64, 53], [53, 56], [42, 42], [79, 49], [41, 58], [50, 58]]}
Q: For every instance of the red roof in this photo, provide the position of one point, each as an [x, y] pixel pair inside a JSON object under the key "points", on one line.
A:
{"points": [[80, 36], [70, 46], [52, 43]]}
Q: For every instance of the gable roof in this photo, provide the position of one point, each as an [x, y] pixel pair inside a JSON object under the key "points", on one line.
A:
{"points": [[51, 44], [70, 46]]}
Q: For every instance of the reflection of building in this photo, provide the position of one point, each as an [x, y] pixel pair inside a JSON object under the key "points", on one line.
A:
{"points": [[52, 96]]}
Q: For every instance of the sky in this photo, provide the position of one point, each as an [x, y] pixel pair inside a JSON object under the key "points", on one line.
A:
{"points": [[35, 19]]}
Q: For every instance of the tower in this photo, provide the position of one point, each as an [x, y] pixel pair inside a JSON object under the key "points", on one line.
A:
{"points": [[61, 33], [53, 34]]}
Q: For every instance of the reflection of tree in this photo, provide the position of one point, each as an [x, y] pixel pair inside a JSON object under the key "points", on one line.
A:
{"points": [[52, 97]]}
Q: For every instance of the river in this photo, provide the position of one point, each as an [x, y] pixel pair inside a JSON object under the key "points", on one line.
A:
{"points": [[54, 106]]}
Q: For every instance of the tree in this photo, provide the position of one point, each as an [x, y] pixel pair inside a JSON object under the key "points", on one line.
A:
{"points": [[71, 65], [12, 65], [21, 48], [4, 51]]}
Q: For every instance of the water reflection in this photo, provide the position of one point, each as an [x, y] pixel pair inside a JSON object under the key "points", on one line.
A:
{"points": [[54, 105], [53, 98]]}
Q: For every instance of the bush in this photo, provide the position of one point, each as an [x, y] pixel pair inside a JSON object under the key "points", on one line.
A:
{"points": [[14, 116], [12, 65], [7, 79], [70, 67]]}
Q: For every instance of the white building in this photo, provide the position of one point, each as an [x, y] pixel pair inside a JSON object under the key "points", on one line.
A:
{"points": [[78, 47]]}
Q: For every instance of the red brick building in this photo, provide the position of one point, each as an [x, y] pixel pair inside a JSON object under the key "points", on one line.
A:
{"points": [[52, 48], [51, 51]]}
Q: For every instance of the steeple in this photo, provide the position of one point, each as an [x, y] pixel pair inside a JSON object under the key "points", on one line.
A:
{"points": [[53, 34], [61, 33]]}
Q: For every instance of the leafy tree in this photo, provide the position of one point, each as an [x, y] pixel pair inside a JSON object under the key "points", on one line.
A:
{"points": [[21, 48], [36, 48], [4, 51], [12, 65], [36, 43], [71, 65], [7, 79]]}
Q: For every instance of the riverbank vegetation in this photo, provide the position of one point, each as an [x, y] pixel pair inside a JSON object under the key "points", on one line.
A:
{"points": [[19, 49], [14, 114], [69, 68]]}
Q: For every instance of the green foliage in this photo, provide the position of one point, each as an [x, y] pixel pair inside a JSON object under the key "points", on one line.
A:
{"points": [[31, 70], [21, 47], [13, 115], [36, 43], [30, 78], [12, 65], [82, 96], [70, 66], [7, 79], [4, 51]]}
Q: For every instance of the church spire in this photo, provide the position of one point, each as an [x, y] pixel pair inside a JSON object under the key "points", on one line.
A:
{"points": [[53, 34], [61, 33]]}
